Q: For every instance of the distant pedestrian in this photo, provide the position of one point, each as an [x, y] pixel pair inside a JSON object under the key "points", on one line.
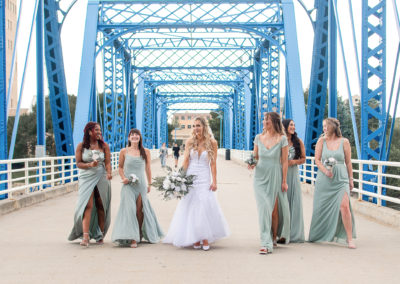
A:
{"points": [[176, 150], [163, 154]]}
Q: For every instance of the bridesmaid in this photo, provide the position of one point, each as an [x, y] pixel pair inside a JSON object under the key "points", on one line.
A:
{"points": [[271, 151], [332, 218], [92, 213], [297, 156], [136, 218]]}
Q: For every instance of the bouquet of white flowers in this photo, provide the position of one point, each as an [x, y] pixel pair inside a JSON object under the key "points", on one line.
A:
{"points": [[251, 161], [174, 185], [95, 155], [133, 179], [329, 163]]}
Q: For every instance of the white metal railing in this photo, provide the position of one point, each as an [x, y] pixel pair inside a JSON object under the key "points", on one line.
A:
{"points": [[24, 176], [375, 177]]}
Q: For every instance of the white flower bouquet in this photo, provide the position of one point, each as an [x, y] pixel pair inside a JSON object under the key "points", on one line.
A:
{"points": [[330, 163], [133, 179], [174, 185], [251, 161], [95, 155]]}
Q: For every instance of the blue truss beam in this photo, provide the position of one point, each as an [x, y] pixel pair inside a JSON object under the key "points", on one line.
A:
{"points": [[3, 96], [319, 77], [58, 95]]}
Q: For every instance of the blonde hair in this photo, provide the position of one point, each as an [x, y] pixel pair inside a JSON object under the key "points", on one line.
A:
{"points": [[276, 122], [335, 125], [208, 137]]}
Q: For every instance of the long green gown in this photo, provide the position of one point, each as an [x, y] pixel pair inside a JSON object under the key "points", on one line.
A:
{"points": [[88, 180], [267, 184], [126, 227], [295, 202], [326, 223]]}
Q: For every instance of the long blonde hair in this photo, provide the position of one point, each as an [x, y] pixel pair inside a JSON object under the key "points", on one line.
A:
{"points": [[335, 125], [208, 137]]}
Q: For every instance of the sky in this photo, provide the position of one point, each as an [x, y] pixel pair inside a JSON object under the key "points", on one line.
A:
{"points": [[73, 32]]}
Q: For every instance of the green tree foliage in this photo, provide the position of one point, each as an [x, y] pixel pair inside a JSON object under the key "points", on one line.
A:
{"points": [[26, 136], [214, 123]]}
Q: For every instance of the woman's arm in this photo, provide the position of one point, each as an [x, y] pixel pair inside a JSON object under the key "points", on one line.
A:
{"points": [[148, 169], [78, 158], [107, 161], [347, 160], [213, 186], [318, 154], [284, 161], [186, 154], [121, 166]]}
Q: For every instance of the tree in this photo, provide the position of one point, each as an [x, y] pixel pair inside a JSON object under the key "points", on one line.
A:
{"points": [[214, 123]]}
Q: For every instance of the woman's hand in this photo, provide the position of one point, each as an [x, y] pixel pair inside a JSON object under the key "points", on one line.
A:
{"points": [[251, 167], [213, 187], [291, 163], [109, 176], [284, 187], [94, 164], [148, 188], [329, 174], [125, 180], [351, 184]]}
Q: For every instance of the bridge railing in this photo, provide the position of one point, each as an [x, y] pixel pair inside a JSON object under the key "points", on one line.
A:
{"points": [[24, 176], [378, 177]]}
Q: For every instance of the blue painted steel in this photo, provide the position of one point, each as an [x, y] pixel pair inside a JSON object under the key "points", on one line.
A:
{"points": [[332, 50], [3, 97], [319, 77], [147, 123], [16, 121], [293, 67], [119, 109], [86, 72], [373, 82], [40, 103], [108, 100], [58, 95]]}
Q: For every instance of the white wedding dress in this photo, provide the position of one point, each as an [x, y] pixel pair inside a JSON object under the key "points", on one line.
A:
{"points": [[198, 215]]}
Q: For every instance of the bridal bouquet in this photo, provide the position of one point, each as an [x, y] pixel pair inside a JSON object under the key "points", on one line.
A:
{"points": [[251, 161], [174, 184], [95, 155], [329, 163], [133, 179]]}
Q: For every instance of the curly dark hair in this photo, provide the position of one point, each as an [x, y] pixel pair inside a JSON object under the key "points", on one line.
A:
{"points": [[86, 136], [295, 139], [140, 146]]}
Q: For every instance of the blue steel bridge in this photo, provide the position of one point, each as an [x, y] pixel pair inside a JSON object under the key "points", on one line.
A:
{"points": [[238, 57]]}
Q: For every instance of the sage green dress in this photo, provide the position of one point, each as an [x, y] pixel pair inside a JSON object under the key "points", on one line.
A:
{"points": [[295, 201], [126, 227], [88, 180], [267, 184], [326, 223]]}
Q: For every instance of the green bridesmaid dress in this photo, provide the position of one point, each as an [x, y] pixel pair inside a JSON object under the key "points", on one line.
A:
{"points": [[295, 202], [326, 222], [267, 184], [126, 227], [88, 180]]}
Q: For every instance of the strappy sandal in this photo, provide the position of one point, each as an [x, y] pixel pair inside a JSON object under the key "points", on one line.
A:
{"points": [[263, 250], [134, 245], [351, 245], [85, 241], [101, 242]]}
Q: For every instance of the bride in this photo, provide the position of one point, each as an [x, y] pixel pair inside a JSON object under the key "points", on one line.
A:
{"points": [[198, 219]]}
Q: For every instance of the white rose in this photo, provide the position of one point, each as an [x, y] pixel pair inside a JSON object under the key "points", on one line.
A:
{"points": [[183, 187], [183, 180], [179, 179], [177, 189], [172, 185], [95, 157]]}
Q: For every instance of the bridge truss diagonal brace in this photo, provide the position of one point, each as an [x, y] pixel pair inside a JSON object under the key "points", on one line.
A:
{"points": [[293, 67], [86, 72]]}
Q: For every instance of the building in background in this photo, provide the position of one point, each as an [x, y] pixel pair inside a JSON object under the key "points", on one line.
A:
{"points": [[11, 25], [185, 121]]}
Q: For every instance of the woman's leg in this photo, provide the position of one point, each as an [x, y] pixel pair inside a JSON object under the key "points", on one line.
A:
{"points": [[101, 215], [87, 214], [346, 217], [139, 213], [275, 221]]}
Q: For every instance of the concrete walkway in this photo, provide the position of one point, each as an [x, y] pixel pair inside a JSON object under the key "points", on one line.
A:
{"points": [[34, 247]]}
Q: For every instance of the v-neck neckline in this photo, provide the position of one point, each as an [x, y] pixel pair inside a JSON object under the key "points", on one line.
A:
{"points": [[271, 146]]}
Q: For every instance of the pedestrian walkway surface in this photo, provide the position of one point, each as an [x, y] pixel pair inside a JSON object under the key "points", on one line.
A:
{"points": [[34, 246]]}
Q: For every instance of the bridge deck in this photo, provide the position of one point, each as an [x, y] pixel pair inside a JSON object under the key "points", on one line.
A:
{"points": [[34, 247]]}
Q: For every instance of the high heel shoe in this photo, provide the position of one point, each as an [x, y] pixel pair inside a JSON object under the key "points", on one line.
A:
{"points": [[101, 242], [85, 241]]}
